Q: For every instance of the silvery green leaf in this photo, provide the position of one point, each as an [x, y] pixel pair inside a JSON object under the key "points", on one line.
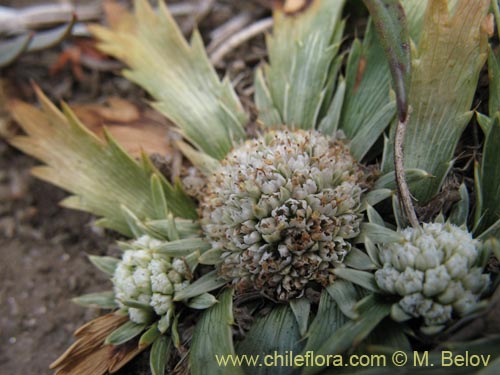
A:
{"points": [[374, 217], [137, 304], [388, 180], [212, 256], [301, 308], [372, 251], [185, 228], [302, 47], [159, 198], [158, 355], [103, 300], [104, 263], [208, 282], [183, 247], [359, 260], [124, 333], [330, 123], [361, 278], [378, 234], [327, 320], [344, 293], [176, 338], [178, 75], [373, 197], [367, 135], [204, 162], [201, 302]]}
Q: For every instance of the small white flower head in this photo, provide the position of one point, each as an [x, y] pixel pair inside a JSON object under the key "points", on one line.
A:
{"points": [[282, 209], [434, 270], [148, 278]]}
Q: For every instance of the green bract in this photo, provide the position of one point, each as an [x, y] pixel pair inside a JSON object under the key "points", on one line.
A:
{"points": [[282, 209]]}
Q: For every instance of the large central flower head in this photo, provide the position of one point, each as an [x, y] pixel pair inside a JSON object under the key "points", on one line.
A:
{"points": [[282, 209], [435, 271]]}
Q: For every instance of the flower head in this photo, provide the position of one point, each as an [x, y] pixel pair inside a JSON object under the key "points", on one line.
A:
{"points": [[145, 282], [435, 272], [282, 209]]}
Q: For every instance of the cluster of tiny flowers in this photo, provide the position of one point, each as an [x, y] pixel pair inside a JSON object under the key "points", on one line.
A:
{"points": [[150, 279], [434, 271], [282, 209]]}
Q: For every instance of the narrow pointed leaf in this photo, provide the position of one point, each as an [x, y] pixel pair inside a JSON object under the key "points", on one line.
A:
{"points": [[302, 47], [104, 263], [208, 282], [328, 319], [103, 300], [158, 355], [444, 80], [301, 308], [203, 301], [359, 260], [490, 176], [124, 333], [148, 337], [345, 295], [183, 247]]}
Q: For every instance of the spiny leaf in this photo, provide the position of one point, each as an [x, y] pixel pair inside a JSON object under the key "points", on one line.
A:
{"points": [[291, 90], [179, 76], [213, 338], [124, 333], [101, 175]]}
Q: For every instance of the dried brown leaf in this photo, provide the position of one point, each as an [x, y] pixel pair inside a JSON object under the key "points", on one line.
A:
{"points": [[89, 356]]}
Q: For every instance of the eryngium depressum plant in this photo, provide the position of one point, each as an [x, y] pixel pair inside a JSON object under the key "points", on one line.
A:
{"points": [[307, 184]]}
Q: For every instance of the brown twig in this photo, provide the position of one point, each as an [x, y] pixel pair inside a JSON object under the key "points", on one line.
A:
{"points": [[403, 190], [240, 38]]}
